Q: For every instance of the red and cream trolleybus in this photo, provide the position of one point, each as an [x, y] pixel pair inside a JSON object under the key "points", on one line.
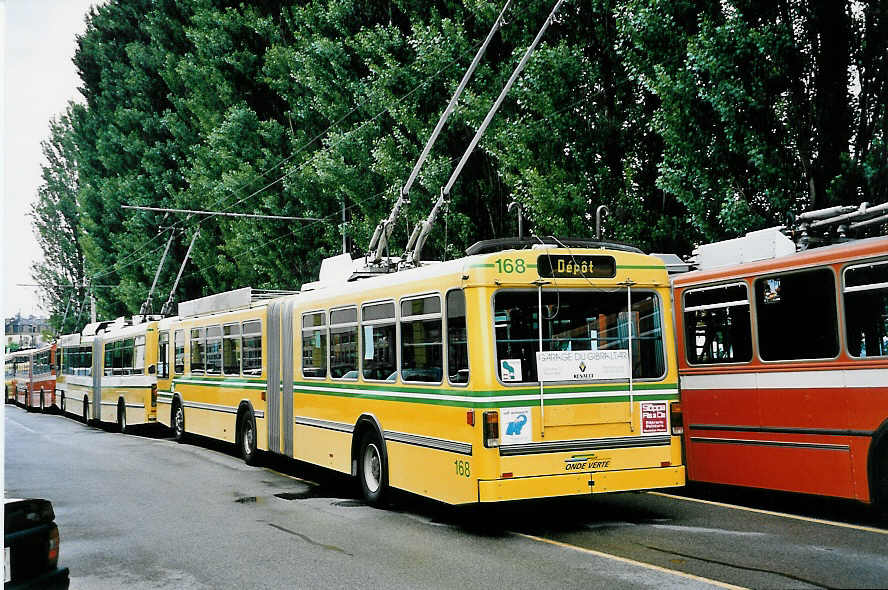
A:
{"points": [[35, 378], [9, 362], [783, 360]]}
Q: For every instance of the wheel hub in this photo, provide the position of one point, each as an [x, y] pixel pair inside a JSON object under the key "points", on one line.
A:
{"points": [[372, 467]]}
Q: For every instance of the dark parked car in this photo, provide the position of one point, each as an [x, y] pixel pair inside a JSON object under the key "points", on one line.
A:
{"points": [[31, 546]]}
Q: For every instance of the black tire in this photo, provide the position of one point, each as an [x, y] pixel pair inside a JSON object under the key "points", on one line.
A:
{"points": [[372, 469], [880, 479], [62, 403], [85, 411], [246, 438], [121, 417], [42, 403], [177, 422]]}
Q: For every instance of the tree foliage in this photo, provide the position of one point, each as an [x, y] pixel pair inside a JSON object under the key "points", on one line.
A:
{"points": [[690, 121], [56, 221]]}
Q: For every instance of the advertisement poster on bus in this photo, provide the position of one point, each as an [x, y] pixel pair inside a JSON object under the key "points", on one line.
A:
{"points": [[517, 425]]}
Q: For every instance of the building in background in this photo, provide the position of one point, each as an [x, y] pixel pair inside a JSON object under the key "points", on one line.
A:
{"points": [[25, 332]]}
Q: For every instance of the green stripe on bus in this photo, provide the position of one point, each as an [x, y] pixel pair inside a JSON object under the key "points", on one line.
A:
{"points": [[489, 393], [467, 393], [470, 403]]}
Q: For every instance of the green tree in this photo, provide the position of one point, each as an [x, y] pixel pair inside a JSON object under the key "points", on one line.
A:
{"points": [[56, 222], [690, 121], [766, 108]]}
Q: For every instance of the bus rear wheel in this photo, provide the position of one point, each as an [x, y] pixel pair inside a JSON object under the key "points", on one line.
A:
{"points": [[85, 411], [880, 485], [372, 469], [177, 421], [247, 438]]}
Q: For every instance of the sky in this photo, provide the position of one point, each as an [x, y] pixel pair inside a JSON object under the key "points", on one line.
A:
{"points": [[39, 80]]}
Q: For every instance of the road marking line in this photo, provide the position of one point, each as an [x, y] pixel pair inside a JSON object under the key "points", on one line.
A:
{"points": [[845, 525], [20, 425], [632, 562]]}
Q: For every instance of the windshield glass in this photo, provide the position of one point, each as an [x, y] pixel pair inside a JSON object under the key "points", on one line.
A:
{"points": [[575, 320]]}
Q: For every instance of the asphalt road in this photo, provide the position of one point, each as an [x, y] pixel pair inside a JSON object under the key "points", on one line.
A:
{"points": [[141, 511]]}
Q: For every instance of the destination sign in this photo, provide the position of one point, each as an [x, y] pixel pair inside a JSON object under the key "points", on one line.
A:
{"points": [[566, 266]]}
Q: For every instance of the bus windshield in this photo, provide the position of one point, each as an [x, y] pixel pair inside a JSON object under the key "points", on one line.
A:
{"points": [[575, 320]]}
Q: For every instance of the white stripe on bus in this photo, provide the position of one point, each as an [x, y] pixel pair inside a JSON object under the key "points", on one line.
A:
{"points": [[814, 379]]}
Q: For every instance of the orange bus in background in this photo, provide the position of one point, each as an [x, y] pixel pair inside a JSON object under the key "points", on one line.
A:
{"points": [[9, 382], [35, 372], [784, 369]]}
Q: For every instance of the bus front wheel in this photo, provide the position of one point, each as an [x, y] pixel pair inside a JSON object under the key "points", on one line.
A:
{"points": [[247, 438], [178, 422], [372, 469], [121, 417]]}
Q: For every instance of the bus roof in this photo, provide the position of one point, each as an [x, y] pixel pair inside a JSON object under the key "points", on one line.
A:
{"points": [[824, 255]]}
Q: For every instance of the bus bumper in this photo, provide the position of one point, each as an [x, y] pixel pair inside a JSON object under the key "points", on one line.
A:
{"points": [[548, 486]]}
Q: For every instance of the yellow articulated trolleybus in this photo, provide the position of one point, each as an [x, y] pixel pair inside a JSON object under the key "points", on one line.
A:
{"points": [[212, 372], [108, 372], [513, 374]]}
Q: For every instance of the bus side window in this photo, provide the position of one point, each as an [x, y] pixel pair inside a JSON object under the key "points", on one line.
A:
{"points": [[379, 341], [344, 343], [86, 361], [179, 349], [214, 350], [796, 316], [314, 345], [421, 344], [139, 355], [865, 295], [163, 360], [231, 349], [109, 358], [252, 348], [198, 350], [127, 357], [717, 325], [457, 340]]}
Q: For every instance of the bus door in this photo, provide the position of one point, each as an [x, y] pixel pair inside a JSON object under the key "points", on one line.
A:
{"points": [[97, 360], [273, 377], [286, 356]]}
